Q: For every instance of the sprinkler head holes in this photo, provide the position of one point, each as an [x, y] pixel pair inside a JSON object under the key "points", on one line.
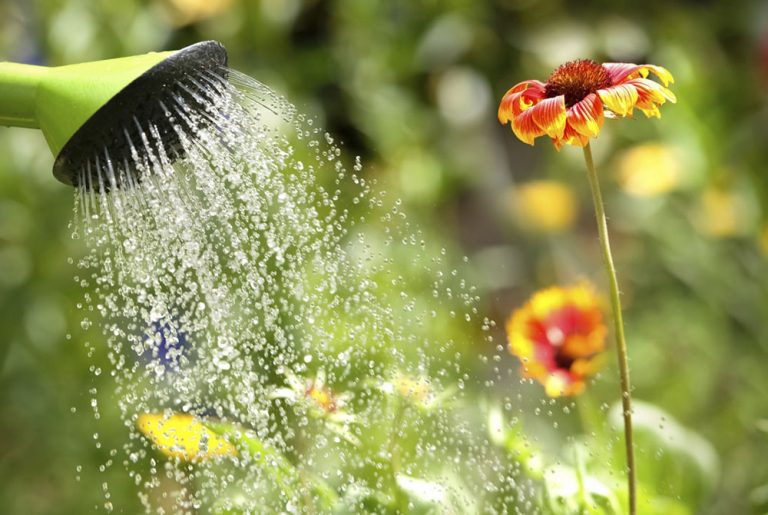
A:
{"points": [[122, 137]]}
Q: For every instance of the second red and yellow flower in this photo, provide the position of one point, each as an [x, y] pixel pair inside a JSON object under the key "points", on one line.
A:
{"points": [[559, 337]]}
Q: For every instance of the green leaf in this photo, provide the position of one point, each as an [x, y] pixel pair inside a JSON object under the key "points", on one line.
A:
{"points": [[289, 478]]}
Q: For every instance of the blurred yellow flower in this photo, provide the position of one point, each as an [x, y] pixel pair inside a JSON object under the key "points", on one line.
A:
{"points": [[649, 170], [183, 436], [724, 212], [559, 337], [191, 11], [543, 206], [418, 390]]}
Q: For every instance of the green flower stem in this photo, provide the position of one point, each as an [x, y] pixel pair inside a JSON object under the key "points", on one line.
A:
{"points": [[285, 474], [401, 501], [621, 344], [590, 415]]}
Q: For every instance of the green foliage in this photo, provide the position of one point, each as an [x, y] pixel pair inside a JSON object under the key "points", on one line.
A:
{"points": [[412, 87]]}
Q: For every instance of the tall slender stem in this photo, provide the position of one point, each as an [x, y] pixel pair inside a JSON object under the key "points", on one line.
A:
{"points": [[401, 501], [621, 344]]}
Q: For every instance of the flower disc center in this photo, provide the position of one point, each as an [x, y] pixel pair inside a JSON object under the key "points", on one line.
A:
{"points": [[577, 79]]}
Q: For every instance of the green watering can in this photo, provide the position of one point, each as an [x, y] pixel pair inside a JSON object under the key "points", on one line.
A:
{"points": [[101, 108]]}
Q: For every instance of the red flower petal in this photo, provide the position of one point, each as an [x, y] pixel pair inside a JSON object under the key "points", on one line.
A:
{"points": [[570, 137], [650, 90], [560, 383], [620, 99], [650, 96], [519, 98], [549, 115], [586, 116], [620, 72], [525, 128]]}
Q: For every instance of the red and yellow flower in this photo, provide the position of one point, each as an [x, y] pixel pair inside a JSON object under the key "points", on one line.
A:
{"points": [[571, 106], [559, 336], [315, 398], [322, 396]]}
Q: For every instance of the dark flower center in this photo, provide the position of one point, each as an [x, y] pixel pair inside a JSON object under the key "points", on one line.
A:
{"points": [[576, 80], [564, 361]]}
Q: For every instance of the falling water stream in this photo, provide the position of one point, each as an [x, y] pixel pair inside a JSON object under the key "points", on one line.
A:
{"points": [[262, 285]]}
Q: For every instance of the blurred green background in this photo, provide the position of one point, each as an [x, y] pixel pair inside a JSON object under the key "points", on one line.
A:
{"points": [[412, 86]]}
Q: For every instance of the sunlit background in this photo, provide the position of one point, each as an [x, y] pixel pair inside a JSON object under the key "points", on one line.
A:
{"points": [[412, 87]]}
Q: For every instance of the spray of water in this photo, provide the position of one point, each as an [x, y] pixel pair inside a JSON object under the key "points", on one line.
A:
{"points": [[268, 290]]}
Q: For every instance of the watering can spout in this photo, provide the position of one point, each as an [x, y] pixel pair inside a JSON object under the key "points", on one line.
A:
{"points": [[18, 90], [60, 100], [87, 106]]}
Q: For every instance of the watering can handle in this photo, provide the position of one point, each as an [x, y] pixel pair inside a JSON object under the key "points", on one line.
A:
{"points": [[18, 92]]}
